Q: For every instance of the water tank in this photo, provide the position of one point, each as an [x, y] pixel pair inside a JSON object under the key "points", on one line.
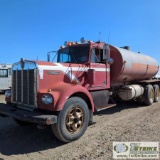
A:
{"points": [[130, 66]]}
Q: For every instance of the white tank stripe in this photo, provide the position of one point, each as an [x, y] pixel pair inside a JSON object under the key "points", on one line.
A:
{"points": [[68, 70], [73, 68]]}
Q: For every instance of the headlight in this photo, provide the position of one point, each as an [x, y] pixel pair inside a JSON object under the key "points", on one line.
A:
{"points": [[47, 99], [8, 93]]}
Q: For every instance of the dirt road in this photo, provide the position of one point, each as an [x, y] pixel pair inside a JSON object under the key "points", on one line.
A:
{"points": [[126, 122]]}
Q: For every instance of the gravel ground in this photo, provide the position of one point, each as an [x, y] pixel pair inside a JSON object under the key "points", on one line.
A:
{"points": [[125, 122]]}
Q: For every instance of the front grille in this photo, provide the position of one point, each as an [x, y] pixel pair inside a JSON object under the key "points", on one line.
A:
{"points": [[23, 86]]}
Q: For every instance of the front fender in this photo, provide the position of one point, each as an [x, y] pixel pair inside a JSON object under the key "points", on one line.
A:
{"points": [[62, 92]]}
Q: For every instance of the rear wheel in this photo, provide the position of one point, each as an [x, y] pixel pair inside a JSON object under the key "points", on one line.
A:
{"points": [[149, 95], [156, 93], [72, 120]]}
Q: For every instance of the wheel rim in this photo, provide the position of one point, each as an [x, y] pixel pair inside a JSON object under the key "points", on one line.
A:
{"points": [[151, 95], [74, 119], [157, 94]]}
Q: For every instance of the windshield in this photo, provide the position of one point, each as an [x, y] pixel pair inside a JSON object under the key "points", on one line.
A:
{"points": [[76, 54]]}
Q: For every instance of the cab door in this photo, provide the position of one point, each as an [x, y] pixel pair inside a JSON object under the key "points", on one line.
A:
{"points": [[101, 79], [98, 65]]}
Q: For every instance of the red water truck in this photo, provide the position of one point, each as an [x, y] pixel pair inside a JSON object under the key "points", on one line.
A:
{"points": [[86, 77]]}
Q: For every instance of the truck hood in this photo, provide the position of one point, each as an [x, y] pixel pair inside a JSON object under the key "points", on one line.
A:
{"points": [[70, 70]]}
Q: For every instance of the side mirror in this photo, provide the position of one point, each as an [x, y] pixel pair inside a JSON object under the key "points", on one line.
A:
{"points": [[48, 57], [106, 52]]}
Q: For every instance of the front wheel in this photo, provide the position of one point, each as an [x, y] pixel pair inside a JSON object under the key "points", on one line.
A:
{"points": [[72, 120]]}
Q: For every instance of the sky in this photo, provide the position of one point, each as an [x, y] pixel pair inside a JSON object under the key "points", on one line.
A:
{"points": [[31, 28]]}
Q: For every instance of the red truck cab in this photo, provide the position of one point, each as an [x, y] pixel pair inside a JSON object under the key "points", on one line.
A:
{"points": [[62, 93], [85, 78]]}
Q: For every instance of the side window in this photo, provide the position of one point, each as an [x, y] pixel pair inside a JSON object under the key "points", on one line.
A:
{"points": [[93, 56], [97, 56], [3, 73], [9, 71]]}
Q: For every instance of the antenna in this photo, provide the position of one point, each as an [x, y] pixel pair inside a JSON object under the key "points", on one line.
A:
{"points": [[109, 36], [99, 36], [100, 32]]}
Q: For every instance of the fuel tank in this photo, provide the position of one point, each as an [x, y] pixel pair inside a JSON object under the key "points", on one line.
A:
{"points": [[129, 66]]}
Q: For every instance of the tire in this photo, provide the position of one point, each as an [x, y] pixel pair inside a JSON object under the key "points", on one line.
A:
{"points": [[149, 95], [72, 120], [156, 93]]}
